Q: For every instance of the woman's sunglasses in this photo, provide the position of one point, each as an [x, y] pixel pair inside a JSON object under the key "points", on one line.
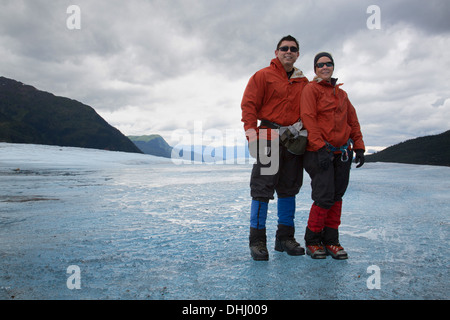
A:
{"points": [[322, 64]]}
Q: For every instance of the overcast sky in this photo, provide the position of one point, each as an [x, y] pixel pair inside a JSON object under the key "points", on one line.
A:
{"points": [[150, 66]]}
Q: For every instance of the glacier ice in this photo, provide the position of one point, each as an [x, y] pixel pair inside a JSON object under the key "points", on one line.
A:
{"points": [[140, 227]]}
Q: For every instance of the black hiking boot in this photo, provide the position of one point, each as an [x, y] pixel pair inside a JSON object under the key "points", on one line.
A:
{"points": [[258, 244], [285, 241]]}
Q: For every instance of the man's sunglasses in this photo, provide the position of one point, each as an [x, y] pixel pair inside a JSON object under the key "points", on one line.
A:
{"points": [[322, 64], [286, 48]]}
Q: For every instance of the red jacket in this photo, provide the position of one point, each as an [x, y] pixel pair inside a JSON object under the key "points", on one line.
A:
{"points": [[270, 95], [329, 116]]}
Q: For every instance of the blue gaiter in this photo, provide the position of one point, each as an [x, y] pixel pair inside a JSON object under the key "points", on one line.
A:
{"points": [[286, 211], [258, 214]]}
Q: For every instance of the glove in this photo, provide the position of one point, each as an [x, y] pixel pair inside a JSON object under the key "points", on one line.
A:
{"points": [[359, 158], [324, 158]]}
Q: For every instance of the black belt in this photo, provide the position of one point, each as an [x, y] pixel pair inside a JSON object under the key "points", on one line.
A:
{"points": [[270, 124]]}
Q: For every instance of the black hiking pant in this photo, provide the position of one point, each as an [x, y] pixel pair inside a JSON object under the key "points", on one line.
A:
{"points": [[328, 186], [286, 179]]}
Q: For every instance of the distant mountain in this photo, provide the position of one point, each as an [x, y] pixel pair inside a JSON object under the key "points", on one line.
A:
{"points": [[211, 154], [152, 144], [430, 150], [28, 115], [156, 145]]}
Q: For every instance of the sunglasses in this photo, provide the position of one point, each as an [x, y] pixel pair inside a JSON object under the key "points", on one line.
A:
{"points": [[286, 48], [322, 64]]}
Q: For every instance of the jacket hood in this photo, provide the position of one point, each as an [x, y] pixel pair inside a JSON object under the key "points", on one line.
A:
{"points": [[297, 73], [332, 82]]}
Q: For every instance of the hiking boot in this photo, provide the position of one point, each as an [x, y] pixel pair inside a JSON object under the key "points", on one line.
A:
{"points": [[291, 246], [285, 241], [258, 244], [259, 251], [332, 245], [336, 252], [314, 247], [316, 251]]}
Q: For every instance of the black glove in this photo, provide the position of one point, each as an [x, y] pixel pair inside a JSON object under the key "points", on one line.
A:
{"points": [[324, 158], [359, 158]]}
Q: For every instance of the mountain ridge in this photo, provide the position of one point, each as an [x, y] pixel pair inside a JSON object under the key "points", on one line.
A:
{"points": [[426, 150], [29, 115], [152, 144]]}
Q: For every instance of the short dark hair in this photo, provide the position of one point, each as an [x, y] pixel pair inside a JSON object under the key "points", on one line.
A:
{"points": [[288, 38]]}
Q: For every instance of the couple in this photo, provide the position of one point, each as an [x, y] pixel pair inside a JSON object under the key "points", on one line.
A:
{"points": [[280, 95]]}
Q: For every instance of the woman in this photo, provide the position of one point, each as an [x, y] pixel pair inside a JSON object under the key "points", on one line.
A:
{"points": [[333, 128]]}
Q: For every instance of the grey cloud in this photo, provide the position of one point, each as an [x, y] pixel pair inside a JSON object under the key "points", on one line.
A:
{"points": [[126, 49], [430, 16], [439, 102]]}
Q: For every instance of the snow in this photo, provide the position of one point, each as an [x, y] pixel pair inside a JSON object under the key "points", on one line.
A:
{"points": [[142, 227]]}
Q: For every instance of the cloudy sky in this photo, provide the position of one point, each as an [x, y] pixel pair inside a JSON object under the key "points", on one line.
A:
{"points": [[154, 66]]}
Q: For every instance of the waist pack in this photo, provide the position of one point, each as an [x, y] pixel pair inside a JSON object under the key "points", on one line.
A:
{"points": [[293, 137]]}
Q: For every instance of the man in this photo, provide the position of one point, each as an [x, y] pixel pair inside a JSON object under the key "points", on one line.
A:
{"points": [[273, 96]]}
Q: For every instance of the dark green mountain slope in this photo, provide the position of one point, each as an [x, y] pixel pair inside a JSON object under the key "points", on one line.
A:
{"points": [[28, 115], [430, 150], [152, 144]]}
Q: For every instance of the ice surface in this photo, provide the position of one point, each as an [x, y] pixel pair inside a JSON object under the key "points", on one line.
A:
{"points": [[141, 227]]}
